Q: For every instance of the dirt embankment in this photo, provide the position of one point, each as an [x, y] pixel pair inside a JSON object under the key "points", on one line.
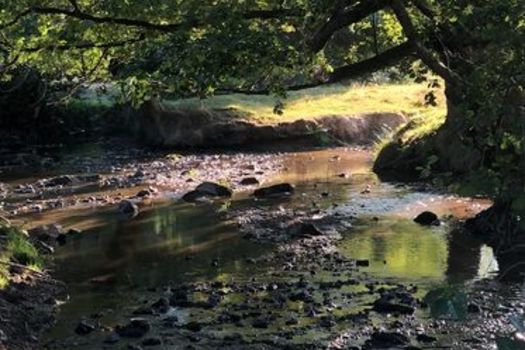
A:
{"points": [[156, 125]]}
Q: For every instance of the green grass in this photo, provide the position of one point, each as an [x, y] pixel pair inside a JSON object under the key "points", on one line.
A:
{"points": [[16, 248], [321, 101]]}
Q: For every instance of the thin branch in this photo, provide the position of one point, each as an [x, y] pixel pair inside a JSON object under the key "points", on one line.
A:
{"points": [[423, 53], [84, 46]]}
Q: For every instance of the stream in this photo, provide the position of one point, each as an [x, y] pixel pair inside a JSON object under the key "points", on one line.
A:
{"points": [[237, 291]]}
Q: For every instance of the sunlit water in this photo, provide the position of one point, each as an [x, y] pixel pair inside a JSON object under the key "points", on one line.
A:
{"points": [[114, 259]]}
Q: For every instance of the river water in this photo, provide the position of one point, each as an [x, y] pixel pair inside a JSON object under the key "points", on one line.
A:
{"points": [[115, 262]]}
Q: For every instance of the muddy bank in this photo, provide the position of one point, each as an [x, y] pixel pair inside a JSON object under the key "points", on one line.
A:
{"points": [[156, 125], [29, 295]]}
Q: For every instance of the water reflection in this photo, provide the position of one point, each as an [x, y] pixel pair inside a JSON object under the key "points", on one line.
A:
{"points": [[399, 248]]}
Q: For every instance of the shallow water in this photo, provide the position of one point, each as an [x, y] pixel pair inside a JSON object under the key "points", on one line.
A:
{"points": [[109, 266]]}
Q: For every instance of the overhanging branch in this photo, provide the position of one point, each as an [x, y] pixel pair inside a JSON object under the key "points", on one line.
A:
{"points": [[344, 18], [384, 60], [138, 23]]}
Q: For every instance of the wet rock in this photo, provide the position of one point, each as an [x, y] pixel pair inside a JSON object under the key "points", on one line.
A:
{"points": [[193, 196], [84, 327], [136, 328], [193, 326], [473, 308], [427, 218], [275, 190], [151, 342], [59, 181], [214, 190], [385, 306], [305, 230], [128, 208], [248, 181], [206, 190], [161, 306], [424, 338], [74, 232], [46, 233], [61, 239], [261, 322], [143, 310], [304, 296], [385, 340], [143, 193], [362, 263]]}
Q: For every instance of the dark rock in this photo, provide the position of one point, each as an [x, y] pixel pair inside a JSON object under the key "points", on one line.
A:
{"points": [[384, 306], [84, 328], [161, 306], [305, 230], [214, 190], [46, 233], [129, 208], [424, 338], [193, 196], [427, 218], [112, 338], [73, 232], [151, 342], [143, 310], [59, 181], [261, 322], [275, 190], [248, 181], [143, 193], [474, 308], [362, 263], [302, 296], [385, 340], [62, 239], [136, 328], [193, 326]]}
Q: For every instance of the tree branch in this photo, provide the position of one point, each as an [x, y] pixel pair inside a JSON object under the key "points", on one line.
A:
{"points": [[381, 61], [131, 22], [343, 19], [423, 53]]}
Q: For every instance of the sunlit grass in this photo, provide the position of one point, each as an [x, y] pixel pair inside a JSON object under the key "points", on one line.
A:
{"points": [[322, 101], [16, 248]]}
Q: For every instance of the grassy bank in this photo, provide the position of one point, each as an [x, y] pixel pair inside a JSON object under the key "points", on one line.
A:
{"points": [[15, 248], [327, 100]]}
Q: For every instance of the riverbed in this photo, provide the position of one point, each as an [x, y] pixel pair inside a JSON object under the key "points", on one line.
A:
{"points": [[213, 275]]}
